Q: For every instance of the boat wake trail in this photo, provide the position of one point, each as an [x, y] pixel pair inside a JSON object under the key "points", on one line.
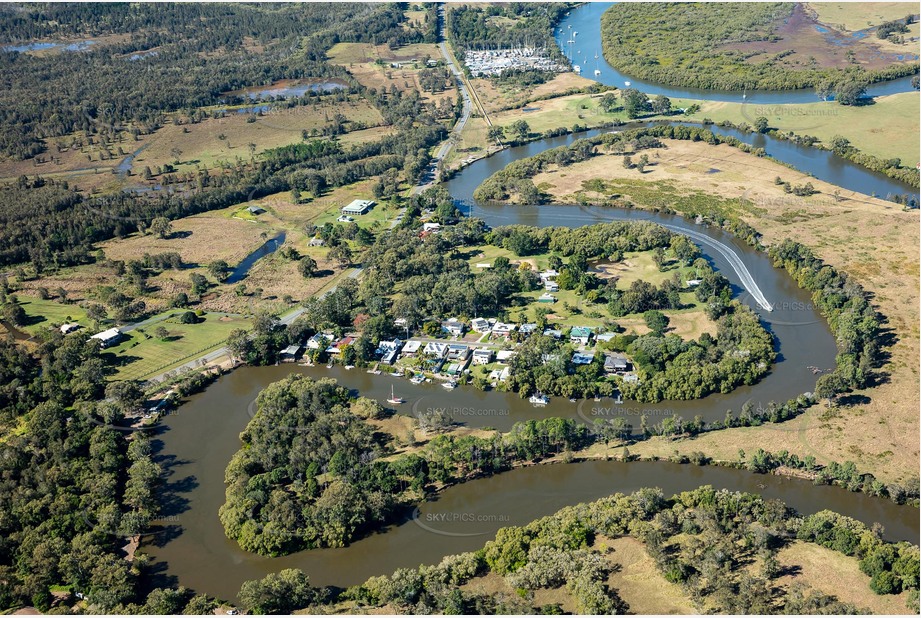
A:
{"points": [[732, 257]]}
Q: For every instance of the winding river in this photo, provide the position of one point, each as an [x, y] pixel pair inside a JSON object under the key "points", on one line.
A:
{"points": [[195, 443], [586, 20]]}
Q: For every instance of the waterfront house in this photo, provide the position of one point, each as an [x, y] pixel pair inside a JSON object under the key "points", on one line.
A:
{"points": [[411, 348], [319, 341], [499, 376], [291, 353], [503, 356], [340, 345], [482, 356], [389, 350], [458, 352]]}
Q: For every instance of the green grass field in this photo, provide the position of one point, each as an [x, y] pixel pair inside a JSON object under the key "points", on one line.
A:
{"points": [[43, 314], [567, 111], [887, 128], [142, 354]]}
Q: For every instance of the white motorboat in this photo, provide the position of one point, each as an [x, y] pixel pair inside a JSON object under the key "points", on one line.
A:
{"points": [[539, 399], [449, 386], [417, 379]]}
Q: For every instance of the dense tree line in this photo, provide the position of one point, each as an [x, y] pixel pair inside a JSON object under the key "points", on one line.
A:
{"points": [[73, 485], [705, 540], [691, 46], [834, 473], [847, 306]]}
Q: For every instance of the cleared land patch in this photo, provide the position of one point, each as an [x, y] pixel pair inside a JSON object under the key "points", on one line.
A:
{"points": [[834, 573], [199, 239], [143, 354], [640, 583]]}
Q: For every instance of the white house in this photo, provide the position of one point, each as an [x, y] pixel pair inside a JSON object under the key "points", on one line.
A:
{"points": [[501, 376], [502, 329], [480, 325], [503, 356], [108, 337], [389, 350], [358, 207], [412, 347], [436, 349], [482, 356], [69, 328], [453, 326], [551, 286], [431, 227]]}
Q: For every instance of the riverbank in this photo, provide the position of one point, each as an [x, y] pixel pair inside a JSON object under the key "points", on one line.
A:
{"points": [[195, 469], [874, 427]]}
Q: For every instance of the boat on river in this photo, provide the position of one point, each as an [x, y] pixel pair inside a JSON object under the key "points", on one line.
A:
{"points": [[394, 399], [539, 399], [450, 385], [417, 379]]}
